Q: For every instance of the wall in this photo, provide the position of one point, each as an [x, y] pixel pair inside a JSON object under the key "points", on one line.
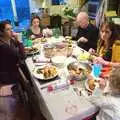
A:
{"points": [[34, 5], [55, 9]]}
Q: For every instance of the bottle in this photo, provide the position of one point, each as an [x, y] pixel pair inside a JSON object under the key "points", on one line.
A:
{"points": [[24, 38], [70, 42], [60, 85]]}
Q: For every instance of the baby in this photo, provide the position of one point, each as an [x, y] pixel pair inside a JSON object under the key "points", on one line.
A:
{"points": [[109, 104]]}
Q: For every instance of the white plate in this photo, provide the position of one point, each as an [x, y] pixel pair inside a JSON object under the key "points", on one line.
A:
{"points": [[41, 76], [39, 40], [31, 53]]}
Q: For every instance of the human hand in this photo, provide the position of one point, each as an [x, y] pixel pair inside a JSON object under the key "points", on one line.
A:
{"points": [[100, 60], [32, 37], [17, 36], [47, 32], [91, 50], [83, 39]]}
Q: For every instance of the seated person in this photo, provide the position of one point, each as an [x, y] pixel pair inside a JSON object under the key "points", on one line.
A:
{"points": [[87, 34], [108, 36], [12, 52], [109, 104], [36, 30]]}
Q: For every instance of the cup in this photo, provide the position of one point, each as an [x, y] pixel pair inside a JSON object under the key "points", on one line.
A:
{"points": [[56, 32], [48, 50], [29, 43], [20, 37], [97, 69]]}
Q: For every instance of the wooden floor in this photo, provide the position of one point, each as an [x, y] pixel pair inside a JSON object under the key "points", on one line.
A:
{"points": [[10, 108]]}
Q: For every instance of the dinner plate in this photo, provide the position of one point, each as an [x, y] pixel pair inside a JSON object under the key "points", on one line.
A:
{"points": [[29, 51], [41, 76], [39, 40]]}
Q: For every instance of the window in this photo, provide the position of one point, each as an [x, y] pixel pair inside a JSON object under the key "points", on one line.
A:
{"points": [[6, 10], [92, 9], [22, 8], [59, 2]]}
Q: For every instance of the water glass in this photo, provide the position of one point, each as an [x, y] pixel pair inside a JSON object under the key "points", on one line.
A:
{"points": [[56, 32]]}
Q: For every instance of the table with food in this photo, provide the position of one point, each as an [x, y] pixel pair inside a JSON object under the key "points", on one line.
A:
{"points": [[63, 75]]}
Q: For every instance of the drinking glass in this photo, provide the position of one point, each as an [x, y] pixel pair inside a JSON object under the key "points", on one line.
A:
{"points": [[56, 32], [97, 69]]}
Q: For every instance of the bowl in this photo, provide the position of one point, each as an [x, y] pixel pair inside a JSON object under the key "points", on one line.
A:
{"points": [[79, 70], [58, 61]]}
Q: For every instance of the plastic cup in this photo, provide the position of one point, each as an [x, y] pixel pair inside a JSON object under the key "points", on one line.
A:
{"points": [[29, 43], [97, 69]]}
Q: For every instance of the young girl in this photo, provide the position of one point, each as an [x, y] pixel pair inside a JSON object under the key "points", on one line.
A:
{"points": [[110, 104]]}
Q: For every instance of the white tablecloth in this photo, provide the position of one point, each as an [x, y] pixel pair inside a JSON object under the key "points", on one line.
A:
{"points": [[60, 104]]}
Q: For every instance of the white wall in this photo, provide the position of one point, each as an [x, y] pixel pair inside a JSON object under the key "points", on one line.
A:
{"points": [[35, 4]]}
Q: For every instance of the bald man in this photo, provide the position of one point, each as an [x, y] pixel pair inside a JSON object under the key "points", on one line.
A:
{"points": [[87, 34]]}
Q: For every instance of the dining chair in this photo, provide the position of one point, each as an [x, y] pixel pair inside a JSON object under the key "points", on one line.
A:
{"points": [[29, 96]]}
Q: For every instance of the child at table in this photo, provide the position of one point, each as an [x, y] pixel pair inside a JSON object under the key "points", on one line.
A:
{"points": [[109, 104]]}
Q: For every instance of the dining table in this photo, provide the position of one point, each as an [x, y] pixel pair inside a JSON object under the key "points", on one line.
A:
{"points": [[67, 101]]}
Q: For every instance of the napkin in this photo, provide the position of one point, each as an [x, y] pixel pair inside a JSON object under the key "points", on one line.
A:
{"points": [[41, 60]]}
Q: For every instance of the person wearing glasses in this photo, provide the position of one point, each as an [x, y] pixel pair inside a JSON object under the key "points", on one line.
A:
{"points": [[11, 53]]}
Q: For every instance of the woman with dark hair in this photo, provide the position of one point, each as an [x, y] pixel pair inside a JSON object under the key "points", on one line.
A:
{"points": [[108, 37], [11, 52], [35, 30]]}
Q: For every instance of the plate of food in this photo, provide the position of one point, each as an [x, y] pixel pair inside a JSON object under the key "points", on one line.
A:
{"points": [[46, 72], [91, 84], [42, 39], [79, 70], [31, 50]]}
